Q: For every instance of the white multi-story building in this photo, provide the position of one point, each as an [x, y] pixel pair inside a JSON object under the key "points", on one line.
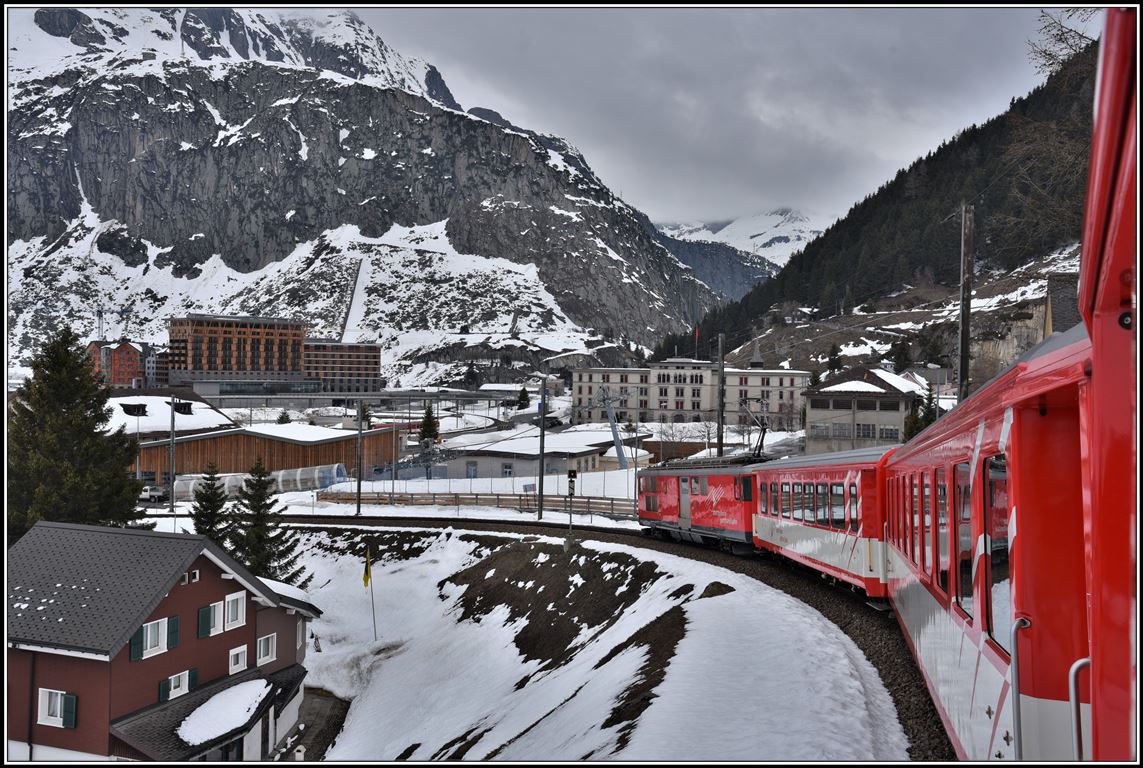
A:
{"points": [[680, 389]]}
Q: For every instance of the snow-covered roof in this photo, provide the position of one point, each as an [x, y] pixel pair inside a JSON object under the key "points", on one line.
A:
{"points": [[854, 386], [304, 433], [627, 451], [286, 590], [900, 383], [222, 711], [158, 416]]}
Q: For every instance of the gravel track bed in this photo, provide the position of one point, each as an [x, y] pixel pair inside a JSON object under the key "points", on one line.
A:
{"points": [[875, 632]]}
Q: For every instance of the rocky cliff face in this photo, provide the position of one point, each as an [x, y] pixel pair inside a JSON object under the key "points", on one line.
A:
{"points": [[174, 160]]}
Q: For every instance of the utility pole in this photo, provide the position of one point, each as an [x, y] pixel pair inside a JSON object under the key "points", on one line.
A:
{"points": [[172, 458], [966, 269], [543, 429], [721, 390], [360, 418]]}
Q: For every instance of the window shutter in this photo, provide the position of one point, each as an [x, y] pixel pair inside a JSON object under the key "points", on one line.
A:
{"points": [[164, 689], [137, 645], [192, 682], [172, 632], [69, 703], [204, 622]]}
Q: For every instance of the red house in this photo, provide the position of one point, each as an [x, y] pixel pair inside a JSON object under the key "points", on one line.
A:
{"points": [[130, 644], [123, 363]]}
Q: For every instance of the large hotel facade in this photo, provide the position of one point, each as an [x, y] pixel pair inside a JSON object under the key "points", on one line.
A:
{"points": [[220, 354], [681, 389]]}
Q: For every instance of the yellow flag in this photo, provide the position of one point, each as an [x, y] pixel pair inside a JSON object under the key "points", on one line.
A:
{"points": [[365, 578]]}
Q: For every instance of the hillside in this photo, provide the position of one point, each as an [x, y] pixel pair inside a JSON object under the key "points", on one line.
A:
{"points": [[295, 165], [1025, 173]]}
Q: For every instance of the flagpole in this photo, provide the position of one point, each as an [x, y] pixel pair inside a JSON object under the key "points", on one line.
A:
{"points": [[369, 581]]}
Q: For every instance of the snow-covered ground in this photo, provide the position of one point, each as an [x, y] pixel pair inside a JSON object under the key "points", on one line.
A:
{"points": [[505, 647]]}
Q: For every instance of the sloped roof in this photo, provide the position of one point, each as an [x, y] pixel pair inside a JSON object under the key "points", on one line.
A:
{"points": [[153, 730], [863, 378], [86, 588]]}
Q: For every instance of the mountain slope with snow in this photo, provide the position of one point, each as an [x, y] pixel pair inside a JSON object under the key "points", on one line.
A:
{"points": [[775, 236], [254, 161]]}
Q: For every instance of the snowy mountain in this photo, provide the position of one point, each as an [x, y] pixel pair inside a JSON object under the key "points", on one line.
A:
{"points": [[775, 236], [273, 163]]}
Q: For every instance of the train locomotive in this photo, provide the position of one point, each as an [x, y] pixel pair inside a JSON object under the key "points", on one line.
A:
{"points": [[1003, 536]]}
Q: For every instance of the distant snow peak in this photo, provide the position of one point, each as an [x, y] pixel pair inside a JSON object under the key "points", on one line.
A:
{"points": [[46, 41], [775, 235]]}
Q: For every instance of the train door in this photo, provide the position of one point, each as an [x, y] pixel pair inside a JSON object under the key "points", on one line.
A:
{"points": [[685, 502], [1034, 588]]}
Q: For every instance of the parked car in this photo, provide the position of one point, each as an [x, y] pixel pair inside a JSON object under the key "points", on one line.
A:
{"points": [[154, 493]]}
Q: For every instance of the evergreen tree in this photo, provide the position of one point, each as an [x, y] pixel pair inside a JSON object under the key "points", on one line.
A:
{"points": [[522, 400], [430, 427], [283, 417], [258, 538], [62, 464], [913, 424], [928, 409], [834, 358], [902, 355], [209, 509], [815, 378]]}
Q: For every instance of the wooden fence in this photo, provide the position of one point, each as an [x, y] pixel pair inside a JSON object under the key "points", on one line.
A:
{"points": [[617, 509]]}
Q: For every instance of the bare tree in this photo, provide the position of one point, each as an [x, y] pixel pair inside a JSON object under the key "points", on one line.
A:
{"points": [[1061, 37]]}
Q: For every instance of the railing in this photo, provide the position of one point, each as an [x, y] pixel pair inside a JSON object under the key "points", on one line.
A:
{"points": [[617, 509]]}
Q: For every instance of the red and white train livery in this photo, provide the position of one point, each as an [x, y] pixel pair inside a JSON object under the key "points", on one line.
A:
{"points": [[1004, 535]]}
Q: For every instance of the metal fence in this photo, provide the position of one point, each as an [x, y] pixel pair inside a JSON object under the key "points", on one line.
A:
{"points": [[617, 509]]}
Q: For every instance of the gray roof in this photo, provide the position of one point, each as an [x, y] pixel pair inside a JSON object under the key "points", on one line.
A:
{"points": [[856, 456], [89, 588], [153, 731]]}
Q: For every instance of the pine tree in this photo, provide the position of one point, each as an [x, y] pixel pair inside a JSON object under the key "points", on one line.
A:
{"points": [[913, 424], [258, 538], [283, 417], [928, 409], [430, 427], [209, 509], [834, 358], [62, 464], [522, 400]]}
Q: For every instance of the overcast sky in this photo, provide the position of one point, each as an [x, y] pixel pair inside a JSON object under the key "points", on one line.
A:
{"points": [[717, 113]]}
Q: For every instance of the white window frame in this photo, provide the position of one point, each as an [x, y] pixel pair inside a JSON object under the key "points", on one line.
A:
{"points": [[230, 660], [185, 579], [194, 575], [241, 620], [216, 628], [43, 717], [184, 678], [162, 644], [301, 632], [273, 654]]}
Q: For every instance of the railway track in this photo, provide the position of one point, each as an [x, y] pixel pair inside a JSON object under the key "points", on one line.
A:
{"points": [[875, 632]]}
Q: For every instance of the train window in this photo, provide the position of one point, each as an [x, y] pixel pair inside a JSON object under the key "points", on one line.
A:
{"points": [[915, 511], [796, 501], [652, 503], [964, 541], [704, 489], [854, 509], [774, 503], [823, 505], [927, 523], [808, 501], [748, 488], [785, 499], [942, 531], [837, 505], [694, 486], [996, 510]]}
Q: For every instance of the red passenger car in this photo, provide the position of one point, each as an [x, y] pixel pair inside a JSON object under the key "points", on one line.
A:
{"points": [[824, 511]]}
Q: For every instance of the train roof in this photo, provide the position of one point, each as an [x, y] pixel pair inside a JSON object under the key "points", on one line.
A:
{"points": [[856, 456]]}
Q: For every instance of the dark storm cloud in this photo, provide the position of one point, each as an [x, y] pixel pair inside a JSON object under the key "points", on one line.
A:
{"points": [[705, 114]]}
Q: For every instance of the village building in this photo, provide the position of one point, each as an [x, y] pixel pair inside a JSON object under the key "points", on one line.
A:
{"points": [[137, 645]]}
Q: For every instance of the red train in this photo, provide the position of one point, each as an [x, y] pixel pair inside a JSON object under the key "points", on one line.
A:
{"points": [[1004, 534]]}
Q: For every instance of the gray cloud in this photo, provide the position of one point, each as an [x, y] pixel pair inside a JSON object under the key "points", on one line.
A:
{"points": [[706, 114]]}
